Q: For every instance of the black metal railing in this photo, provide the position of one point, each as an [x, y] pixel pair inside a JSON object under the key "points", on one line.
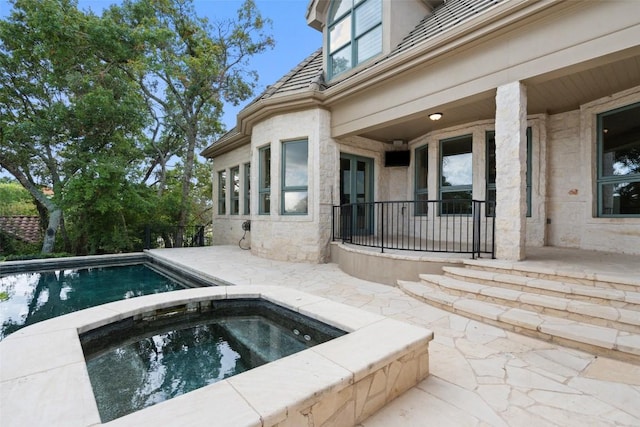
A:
{"points": [[454, 226], [173, 236]]}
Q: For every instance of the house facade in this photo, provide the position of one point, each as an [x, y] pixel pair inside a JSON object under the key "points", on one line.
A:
{"points": [[530, 107]]}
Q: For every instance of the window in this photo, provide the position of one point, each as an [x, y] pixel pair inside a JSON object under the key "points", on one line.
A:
{"points": [[355, 33], [235, 191], [247, 188], [294, 177], [456, 175], [222, 192], [618, 179], [491, 171], [421, 190], [264, 181]]}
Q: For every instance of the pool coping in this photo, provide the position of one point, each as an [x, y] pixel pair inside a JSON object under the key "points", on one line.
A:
{"points": [[44, 380], [47, 264]]}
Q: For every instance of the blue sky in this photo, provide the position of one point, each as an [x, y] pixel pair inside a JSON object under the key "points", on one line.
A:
{"points": [[294, 39]]}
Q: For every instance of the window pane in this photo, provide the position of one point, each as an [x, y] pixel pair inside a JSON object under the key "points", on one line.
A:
{"points": [[370, 44], [457, 163], [621, 198], [421, 168], [338, 8], [361, 181], [456, 202], [368, 15], [235, 176], [295, 202], [222, 193], [340, 34], [421, 206], [235, 192], [265, 203], [490, 209], [264, 184], [265, 168], [247, 188], [295, 164], [341, 61], [621, 143], [491, 157]]}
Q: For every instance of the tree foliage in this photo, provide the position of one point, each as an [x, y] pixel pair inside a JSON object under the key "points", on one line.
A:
{"points": [[64, 104], [94, 107], [189, 68], [15, 200]]}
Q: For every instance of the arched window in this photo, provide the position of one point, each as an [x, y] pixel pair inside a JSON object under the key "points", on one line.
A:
{"points": [[355, 33]]}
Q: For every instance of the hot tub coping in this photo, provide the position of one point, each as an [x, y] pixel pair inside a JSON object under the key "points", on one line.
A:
{"points": [[44, 380]]}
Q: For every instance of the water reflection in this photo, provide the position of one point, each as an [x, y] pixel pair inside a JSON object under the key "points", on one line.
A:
{"points": [[33, 297], [157, 368]]}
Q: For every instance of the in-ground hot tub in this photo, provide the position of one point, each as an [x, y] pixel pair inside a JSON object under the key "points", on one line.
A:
{"points": [[146, 359], [44, 378]]}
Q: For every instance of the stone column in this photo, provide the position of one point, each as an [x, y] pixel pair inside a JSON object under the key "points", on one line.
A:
{"points": [[511, 168]]}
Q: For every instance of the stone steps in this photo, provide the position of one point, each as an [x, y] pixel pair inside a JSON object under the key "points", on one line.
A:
{"points": [[592, 292], [562, 307], [587, 278], [596, 339]]}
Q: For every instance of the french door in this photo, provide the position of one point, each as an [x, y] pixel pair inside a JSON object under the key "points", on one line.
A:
{"points": [[356, 190]]}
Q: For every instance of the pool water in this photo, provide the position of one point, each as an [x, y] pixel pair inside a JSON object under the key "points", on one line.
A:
{"points": [[35, 296], [135, 364]]}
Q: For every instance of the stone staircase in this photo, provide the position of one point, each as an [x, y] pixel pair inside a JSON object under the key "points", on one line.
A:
{"points": [[596, 313]]}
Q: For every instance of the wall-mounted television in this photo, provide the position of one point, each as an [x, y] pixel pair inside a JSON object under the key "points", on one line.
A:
{"points": [[397, 158]]}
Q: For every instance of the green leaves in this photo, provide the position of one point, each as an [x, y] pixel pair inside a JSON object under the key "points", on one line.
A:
{"points": [[96, 106]]}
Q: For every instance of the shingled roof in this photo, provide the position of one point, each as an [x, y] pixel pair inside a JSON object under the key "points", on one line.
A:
{"points": [[299, 78], [25, 228], [448, 15], [308, 74]]}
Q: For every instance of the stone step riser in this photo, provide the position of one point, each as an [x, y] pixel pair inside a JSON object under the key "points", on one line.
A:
{"points": [[615, 303], [632, 356], [560, 313], [560, 278]]}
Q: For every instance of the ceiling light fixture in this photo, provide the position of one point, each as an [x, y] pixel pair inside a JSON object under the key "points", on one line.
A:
{"points": [[435, 116]]}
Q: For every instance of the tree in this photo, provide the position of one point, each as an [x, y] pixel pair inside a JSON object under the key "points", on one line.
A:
{"points": [[65, 104], [189, 68]]}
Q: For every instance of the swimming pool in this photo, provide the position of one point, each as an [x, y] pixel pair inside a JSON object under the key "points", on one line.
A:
{"points": [[53, 288]]}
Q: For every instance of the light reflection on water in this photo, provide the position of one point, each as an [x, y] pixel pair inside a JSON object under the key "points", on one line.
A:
{"points": [[151, 369], [34, 297]]}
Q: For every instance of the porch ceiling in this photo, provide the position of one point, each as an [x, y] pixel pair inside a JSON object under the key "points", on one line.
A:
{"points": [[561, 91]]}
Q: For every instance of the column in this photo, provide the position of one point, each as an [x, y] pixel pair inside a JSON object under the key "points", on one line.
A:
{"points": [[511, 168]]}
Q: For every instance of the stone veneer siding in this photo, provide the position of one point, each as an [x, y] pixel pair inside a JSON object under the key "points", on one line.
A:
{"points": [[563, 182], [511, 168], [572, 195], [295, 237]]}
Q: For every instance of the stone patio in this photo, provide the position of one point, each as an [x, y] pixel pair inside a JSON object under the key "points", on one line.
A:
{"points": [[479, 374]]}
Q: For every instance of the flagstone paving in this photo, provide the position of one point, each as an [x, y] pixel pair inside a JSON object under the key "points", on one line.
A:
{"points": [[480, 375]]}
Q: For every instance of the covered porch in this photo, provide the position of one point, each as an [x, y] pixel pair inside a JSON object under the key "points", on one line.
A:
{"points": [[523, 122]]}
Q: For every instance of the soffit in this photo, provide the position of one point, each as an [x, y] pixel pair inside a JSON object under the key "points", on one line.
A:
{"points": [[563, 91]]}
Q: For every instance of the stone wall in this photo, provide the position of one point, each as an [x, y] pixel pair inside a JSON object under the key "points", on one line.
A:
{"points": [[295, 237], [227, 229], [572, 175], [563, 208]]}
